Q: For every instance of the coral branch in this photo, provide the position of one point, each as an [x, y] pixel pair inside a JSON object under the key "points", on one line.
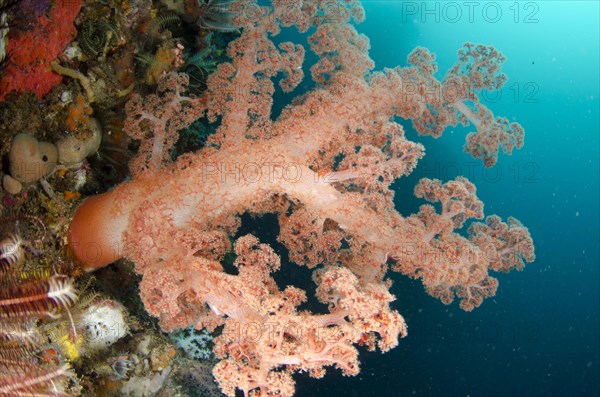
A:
{"points": [[453, 101], [157, 119]]}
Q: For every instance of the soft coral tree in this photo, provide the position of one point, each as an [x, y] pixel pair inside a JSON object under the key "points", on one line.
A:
{"points": [[324, 167]]}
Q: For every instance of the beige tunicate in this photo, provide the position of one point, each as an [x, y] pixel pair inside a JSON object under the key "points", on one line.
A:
{"points": [[31, 160], [11, 185], [72, 150]]}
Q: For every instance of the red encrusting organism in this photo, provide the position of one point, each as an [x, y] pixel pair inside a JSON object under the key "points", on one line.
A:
{"points": [[32, 51]]}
